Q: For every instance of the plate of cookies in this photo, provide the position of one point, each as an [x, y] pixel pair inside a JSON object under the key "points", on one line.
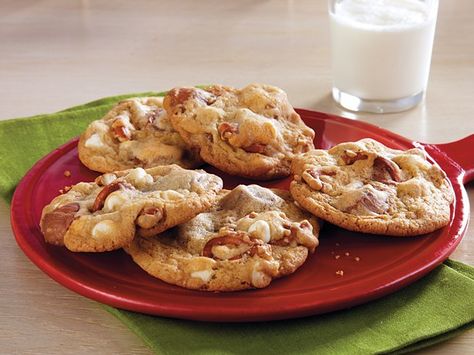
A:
{"points": [[225, 204]]}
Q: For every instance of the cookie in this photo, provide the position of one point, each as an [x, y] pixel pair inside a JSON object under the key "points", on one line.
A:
{"points": [[253, 132], [106, 214], [366, 187], [135, 133], [250, 237]]}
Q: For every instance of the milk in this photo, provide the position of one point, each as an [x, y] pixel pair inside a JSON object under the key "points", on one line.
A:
{"points": [[381, 49]]}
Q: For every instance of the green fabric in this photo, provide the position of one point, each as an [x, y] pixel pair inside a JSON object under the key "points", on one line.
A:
{"points": [[436, 308]]}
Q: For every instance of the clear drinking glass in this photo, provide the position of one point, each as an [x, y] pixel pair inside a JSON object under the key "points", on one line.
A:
{"points": [[381, 52]]}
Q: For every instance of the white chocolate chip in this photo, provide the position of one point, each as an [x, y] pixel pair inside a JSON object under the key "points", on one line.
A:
{"points": [[254, 224], [225, 252], [349, 200], [114, 200], [261, 230], [278, 231], [108, 178], [100, 126], [124, 117], [161, 121], [94, 141], [259, 279], [141, 110], [414, 187], [139, 177], [204, 275], [102, 228]]}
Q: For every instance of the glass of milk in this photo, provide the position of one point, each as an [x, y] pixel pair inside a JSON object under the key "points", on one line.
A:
{"points": [[381, 52]]}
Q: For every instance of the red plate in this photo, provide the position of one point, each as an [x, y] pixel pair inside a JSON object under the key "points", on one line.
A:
{"points": [[372, 266]]}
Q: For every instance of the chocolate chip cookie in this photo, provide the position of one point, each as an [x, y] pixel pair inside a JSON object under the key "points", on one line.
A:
{"points": [[135, 133], [253, 132], [108, 213], [366, 187], [250, 237]]}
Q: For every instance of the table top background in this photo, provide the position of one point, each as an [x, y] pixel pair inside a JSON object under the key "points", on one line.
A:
{"points": [[56, 54]]}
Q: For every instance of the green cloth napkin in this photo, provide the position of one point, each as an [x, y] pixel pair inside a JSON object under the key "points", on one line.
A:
{"points": [[437, 307]]}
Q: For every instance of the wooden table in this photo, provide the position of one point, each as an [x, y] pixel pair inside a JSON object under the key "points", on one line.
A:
{"points": [[56, 54]]}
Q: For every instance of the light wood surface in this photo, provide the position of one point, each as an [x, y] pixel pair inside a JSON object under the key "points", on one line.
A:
{"points": [[55, 54]]}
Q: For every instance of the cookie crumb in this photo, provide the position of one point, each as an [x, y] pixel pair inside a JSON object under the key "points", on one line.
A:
{"points": [[337, 244], [340, 273], [357, 258], [347, 253], [337, 256], [67, 173]]}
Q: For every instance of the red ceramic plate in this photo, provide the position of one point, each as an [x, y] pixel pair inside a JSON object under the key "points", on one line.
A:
{"points": [[372, 266]]}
